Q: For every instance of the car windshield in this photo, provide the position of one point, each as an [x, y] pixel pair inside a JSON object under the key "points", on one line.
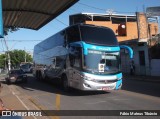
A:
{"points": [[16, 72], [100, 62], [25, 66]]}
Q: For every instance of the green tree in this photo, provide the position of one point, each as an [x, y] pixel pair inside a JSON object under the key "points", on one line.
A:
{"points": [[16, 56], [2, 60], [10, 29]]}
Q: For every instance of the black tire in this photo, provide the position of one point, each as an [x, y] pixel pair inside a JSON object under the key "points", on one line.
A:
{"points": [[40, 77], [25, 80], [37, 76], [65, 85], [8, 82]]}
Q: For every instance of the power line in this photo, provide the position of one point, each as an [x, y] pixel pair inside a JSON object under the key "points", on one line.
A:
{"points": [[61, 22], [74, 10], [93, 7], [23, 40]]}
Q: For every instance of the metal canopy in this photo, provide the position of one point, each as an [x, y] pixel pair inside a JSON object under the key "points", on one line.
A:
{"points": [[32, 14]]}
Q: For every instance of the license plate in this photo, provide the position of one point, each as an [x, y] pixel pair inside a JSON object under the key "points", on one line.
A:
{"points": [[106, 88]]}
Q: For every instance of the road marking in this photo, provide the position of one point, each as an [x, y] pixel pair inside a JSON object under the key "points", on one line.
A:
{"points": [[21, 102], [42, 108], [58, 101]]}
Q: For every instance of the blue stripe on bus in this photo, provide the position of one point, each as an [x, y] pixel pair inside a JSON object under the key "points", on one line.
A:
{"points": [[119, 75], [95, 47], [129, 50], [118, 83]]}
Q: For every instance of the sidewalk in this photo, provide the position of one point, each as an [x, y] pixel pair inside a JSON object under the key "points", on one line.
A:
{"points": [[13, 99], [142, 78], [10, 100]]}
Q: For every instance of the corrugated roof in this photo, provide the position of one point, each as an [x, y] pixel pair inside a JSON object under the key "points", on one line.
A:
{"points": [[32, 14]]}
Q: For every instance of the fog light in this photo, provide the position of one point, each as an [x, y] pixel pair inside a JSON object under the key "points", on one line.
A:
{"points": [[87, 85]]}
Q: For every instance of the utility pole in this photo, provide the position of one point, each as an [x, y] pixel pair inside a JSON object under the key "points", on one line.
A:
{"points": [[24, 54], [9, 59]]}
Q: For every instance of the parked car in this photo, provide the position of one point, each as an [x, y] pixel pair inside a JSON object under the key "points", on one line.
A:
{"points": [[16, 76]]}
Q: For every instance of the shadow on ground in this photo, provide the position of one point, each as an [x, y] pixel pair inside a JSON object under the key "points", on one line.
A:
{"points": [[138, 86], [53, 87], [141, 86]]}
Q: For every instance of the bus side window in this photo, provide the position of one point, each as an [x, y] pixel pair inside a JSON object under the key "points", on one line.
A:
{"points": [[73, 34], [75, 57], [71, 58]]}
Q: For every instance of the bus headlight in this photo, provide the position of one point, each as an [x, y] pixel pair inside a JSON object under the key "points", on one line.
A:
{"points": [[87, 78]]}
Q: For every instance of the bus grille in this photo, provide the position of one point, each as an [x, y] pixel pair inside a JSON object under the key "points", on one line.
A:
{"points": [[106, 81]]}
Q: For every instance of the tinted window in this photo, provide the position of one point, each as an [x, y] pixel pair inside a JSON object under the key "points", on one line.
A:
{"points": [[16, 72], [98, 35], [73, 34]]}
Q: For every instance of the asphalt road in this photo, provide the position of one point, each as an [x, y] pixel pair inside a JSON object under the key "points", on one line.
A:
{"points": [[135, 95]]}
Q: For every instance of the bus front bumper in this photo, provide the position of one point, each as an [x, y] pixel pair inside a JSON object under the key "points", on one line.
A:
{"points": [[90, 85]]}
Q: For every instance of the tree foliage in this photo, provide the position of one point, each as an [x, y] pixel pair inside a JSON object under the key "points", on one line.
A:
{"points": [[10, 29], [2, 60], [16, 56]]}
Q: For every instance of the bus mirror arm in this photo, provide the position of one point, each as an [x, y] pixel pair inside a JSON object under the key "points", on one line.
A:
{"points": [[129, 49]]}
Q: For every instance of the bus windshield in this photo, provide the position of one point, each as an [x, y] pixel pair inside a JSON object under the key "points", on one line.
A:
{"points": [[110, 61], [98, 35]]}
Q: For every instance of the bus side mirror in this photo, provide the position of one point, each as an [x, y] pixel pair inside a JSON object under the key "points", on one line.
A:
{"points": [[129, 50]]}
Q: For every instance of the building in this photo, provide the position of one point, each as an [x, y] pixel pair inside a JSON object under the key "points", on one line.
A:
{"points": [[136, 30]]}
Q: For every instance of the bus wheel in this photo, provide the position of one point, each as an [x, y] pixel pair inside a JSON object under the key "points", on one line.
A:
{"points": [[37, 75], [65, 84], [40, 76]]}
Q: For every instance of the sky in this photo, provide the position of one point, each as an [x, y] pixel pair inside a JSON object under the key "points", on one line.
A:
{"points": [[29, 38]]}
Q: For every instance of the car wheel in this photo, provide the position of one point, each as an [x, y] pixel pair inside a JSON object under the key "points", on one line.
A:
{"points": [[8, 82], [25, 80]]}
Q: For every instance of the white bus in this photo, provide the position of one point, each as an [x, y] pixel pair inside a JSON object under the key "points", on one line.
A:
{"points": [[82, 56]]}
